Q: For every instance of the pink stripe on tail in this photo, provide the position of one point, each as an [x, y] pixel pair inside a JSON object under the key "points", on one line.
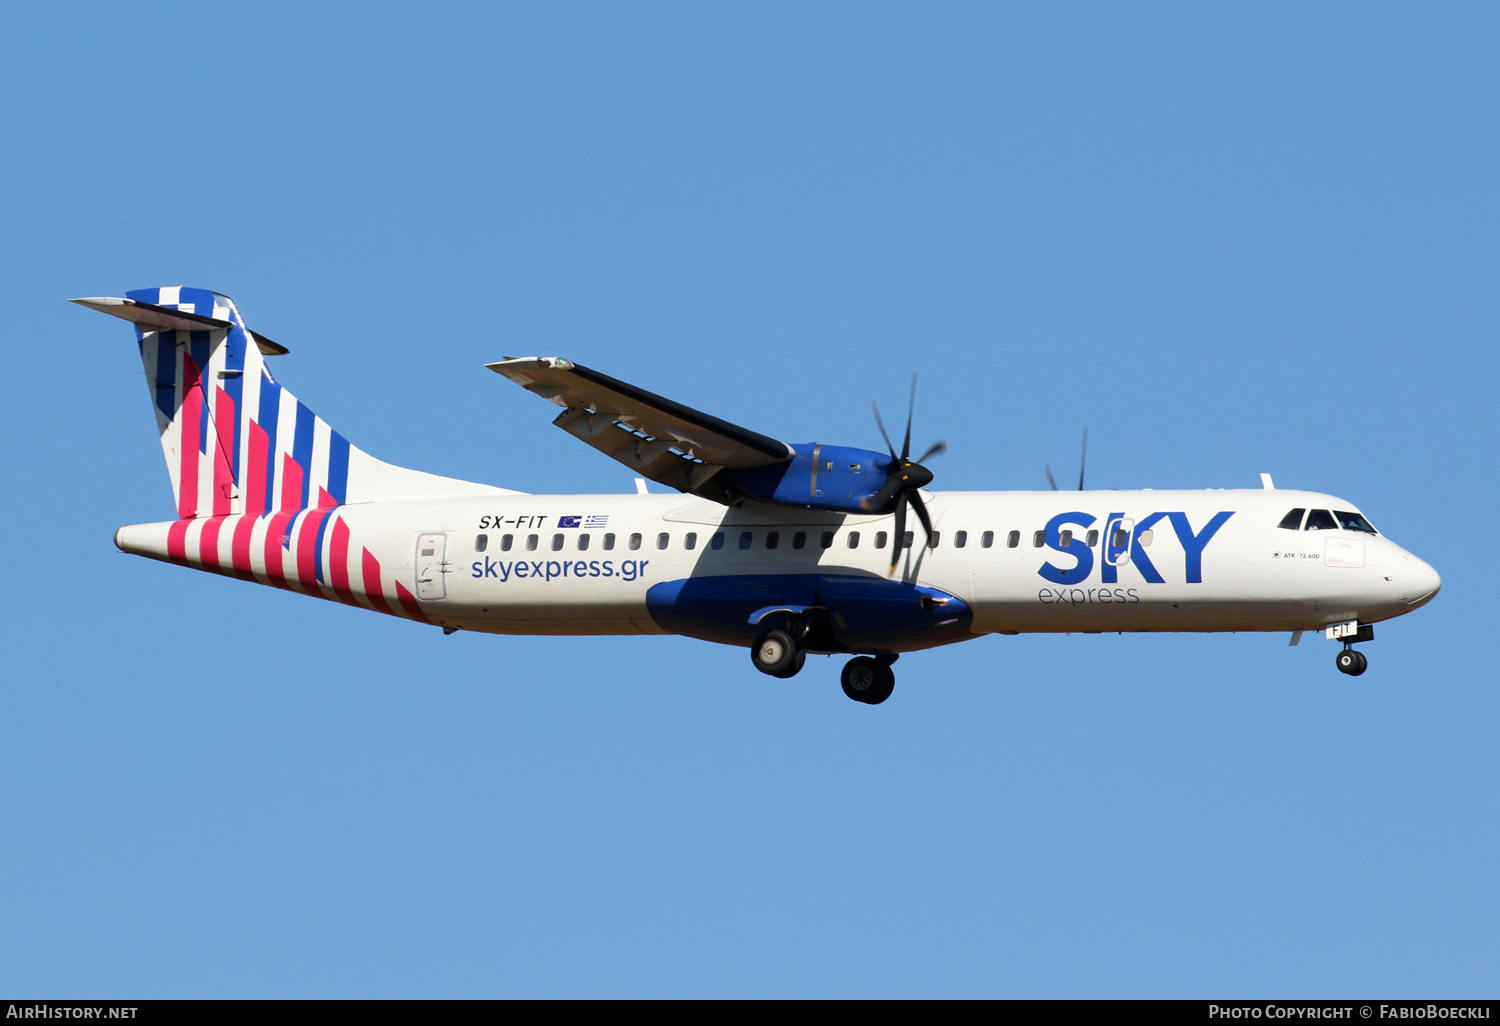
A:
{"points": [[409, 603], [223, 473], [177, 542], [307, 550], [255, 473], [190, 425], [338, 562], [291, 482], [208, 543], [373, 590]]}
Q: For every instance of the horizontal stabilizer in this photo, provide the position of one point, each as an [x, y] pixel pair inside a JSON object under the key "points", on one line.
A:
{"points": [[163, 318], [668, 442]]}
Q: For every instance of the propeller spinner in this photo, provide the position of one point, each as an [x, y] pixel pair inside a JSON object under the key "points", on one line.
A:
{"points": [[904, 480]]}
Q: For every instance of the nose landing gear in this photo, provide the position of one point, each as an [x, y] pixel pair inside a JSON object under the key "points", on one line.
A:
{"points": [[1349, 661], [868, 680]]}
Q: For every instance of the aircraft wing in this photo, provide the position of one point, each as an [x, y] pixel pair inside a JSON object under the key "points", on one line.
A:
{"points": [[655, 437]]}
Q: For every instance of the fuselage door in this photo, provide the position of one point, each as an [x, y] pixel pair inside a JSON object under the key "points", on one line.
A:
{"points": [[1117, 533], [431, 566]]}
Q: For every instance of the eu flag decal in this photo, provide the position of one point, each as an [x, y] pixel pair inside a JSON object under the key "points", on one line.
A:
{"points": [[569, 521]]}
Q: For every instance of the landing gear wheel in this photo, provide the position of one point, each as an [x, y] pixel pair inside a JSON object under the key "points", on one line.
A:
{"points": [[1352, 662], [796, 667], [777, 653], [868, 680]]}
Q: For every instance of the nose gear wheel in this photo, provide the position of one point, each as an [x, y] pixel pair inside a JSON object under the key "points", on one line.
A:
{"points": [[1352, 662]]}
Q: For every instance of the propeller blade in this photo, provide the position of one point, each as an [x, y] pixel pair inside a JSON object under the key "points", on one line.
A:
{"points": [[1083, 461], [921, 508], [881, 425], [938, 448], [887, 492], [1050, 479], [911, 408], [898, 532]]}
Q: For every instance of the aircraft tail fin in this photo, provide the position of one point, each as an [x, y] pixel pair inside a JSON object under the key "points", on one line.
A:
{"points": [[235, 440]]}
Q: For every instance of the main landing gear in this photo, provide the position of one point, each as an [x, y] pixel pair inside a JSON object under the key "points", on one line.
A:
{"points": [[868, 680], [776, 652]]}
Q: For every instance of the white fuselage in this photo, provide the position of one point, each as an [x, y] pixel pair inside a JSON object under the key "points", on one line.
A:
{"points": [[517, 564]]}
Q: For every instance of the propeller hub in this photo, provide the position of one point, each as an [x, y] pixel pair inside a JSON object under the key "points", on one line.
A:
{"points": [[914, 475]]}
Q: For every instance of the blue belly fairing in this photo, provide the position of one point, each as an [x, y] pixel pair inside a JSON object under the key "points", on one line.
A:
{"points": [[865, 614]]}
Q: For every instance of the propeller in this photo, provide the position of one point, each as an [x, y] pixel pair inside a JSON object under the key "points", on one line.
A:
{"points": [[904, 480], [1082, 464]]}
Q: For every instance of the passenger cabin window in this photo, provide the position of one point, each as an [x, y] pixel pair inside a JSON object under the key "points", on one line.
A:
{"points": [[1038, 539], [1320, 520], [505, 542], [609, 542], [717, 541], [799, 540], [1145, 537], [1293, 520], [557, 543], [531, 543], [988, 539], [1354, 522], [773, 539], [481, 543], [1122, 538], [1013, 539], [583, 543], [746, 538], [826, 541], [906, 539], [635, 542], [1065, 538], [881, 538], [937, 536], [1092, 539], [853, 539], [690, 541], [663, 540], [960, 539]]}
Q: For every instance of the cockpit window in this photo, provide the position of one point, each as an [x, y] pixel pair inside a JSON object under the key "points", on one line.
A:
{"points": [[1320, 520], [1354, 522], [1293, 520]]}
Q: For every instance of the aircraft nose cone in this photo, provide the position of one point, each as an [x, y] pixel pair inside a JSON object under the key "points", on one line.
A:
{"points": [[1419, 582]]}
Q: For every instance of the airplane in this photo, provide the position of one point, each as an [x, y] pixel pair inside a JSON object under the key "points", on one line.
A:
{"points": [[784, 549]]}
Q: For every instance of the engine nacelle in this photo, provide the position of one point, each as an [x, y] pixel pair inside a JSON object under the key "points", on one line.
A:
{"points": [[832, 477]]}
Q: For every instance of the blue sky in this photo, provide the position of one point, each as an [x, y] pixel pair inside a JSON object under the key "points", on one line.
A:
{"points": [[1226, 239]]}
